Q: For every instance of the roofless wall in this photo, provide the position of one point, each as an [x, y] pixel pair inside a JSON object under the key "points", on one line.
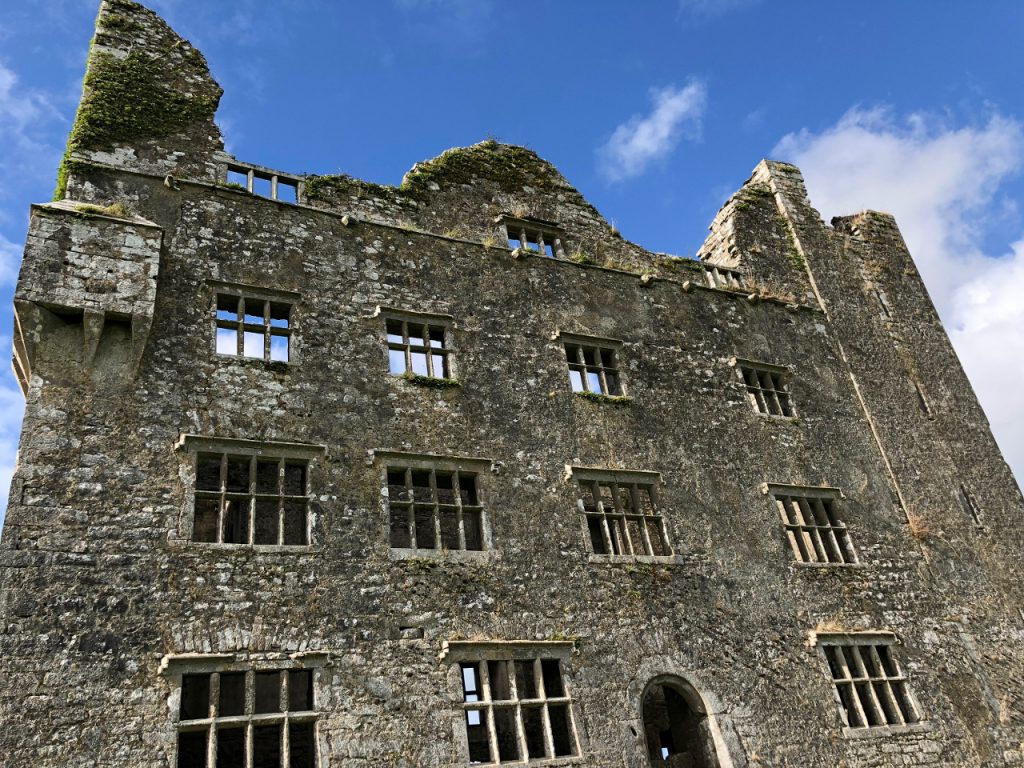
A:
{"points": [[320, 472]]}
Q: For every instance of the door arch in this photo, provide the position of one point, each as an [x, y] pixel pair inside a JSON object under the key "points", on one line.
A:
{"points": [[677, 728]]}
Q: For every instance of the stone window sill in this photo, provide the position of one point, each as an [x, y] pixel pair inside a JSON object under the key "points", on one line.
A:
{"points": [[884, 731], [633, 559], [442, 555]]}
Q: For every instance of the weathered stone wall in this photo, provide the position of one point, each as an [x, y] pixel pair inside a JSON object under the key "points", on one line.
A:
{"points": [[98, 583]]}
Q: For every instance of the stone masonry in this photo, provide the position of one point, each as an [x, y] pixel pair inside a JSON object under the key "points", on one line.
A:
{"points": [[320, 472]]}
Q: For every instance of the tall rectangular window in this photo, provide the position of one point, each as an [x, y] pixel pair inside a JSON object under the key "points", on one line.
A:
{"points": [[432, 508], [814, 529], [767, 387], [871, 688], [247, 718], [621, 513], [516, 703], [250, 493], [593, 366], [253, 327]]}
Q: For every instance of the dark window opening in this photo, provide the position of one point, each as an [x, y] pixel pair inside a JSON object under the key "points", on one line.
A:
{"points": [[815, 532], [768, 390], [250, 500], [676, 734], [507, 703], [247, 712], [434, 509], [622, 518], [870, 685]]}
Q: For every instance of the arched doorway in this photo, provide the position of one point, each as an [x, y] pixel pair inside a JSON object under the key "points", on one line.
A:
{"points": [[676, 726]]}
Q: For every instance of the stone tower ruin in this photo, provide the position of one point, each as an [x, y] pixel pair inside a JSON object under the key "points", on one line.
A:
{"points": [[320, 473]]}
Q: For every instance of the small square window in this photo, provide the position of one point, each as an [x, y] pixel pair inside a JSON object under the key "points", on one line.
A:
{"points": [[516, 708], [621, 515], [434, 509], [767, 387], [253, 327], [418, 348], [810, 518], [870, 686], [593, 369]]}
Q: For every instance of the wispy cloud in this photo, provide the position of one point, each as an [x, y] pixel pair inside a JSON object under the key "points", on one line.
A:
{"points": [[707, 8], [676, 113], [24, 115], [944, 184], [10, 261]]}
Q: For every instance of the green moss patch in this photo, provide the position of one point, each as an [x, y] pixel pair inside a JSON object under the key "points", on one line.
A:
{"points": [[117, 210], [126, 100], [595, 397]]}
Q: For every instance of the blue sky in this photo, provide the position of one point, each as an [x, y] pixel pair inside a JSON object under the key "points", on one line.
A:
{"points": [[655, 110]]}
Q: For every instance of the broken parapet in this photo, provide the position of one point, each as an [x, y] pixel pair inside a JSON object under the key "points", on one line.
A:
{"points": [[148, 101]]}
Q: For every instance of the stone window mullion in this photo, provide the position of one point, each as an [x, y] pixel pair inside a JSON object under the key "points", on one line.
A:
{"points": [[622, 515], [286, 756], [412, 508], [223, 505], [460, 523], [280, 501], [634, 492], [839, 656], [211, 756], [436, 507]]}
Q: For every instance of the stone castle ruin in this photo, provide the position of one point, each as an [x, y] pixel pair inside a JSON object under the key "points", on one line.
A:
{"points": [[320, 473]]}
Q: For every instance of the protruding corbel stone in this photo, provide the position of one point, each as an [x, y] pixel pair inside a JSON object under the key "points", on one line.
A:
{"points": [[92, 330]]}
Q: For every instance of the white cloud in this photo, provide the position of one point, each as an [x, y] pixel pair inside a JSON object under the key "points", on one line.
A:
{"points": [[943, 183], [676, 112]]}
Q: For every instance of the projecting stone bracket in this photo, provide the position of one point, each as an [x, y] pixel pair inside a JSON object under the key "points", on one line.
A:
{"points": [[86, 293]]}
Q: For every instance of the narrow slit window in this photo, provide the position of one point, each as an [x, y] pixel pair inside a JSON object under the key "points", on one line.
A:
{"points": [[418, 349], [622, 518], [767, 388], [434, 508], [247, 326], [872, 690], [251, 500], [247, 712], [970, 505], [813, 527], [593, 369]]}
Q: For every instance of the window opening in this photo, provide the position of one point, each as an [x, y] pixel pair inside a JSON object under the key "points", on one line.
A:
{"points": [[268, 184], [622, 518], [869, 683], [417, 348], [723, 277], [593, 369], [434, 509], [813, 528], [531, 236], [677, 735], [970, 504], [247, 499], [251, 327], [767, 388], [517, 710], [247, 719]]}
